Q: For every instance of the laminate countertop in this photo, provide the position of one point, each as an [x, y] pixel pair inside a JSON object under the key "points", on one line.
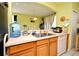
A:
{"points": [[28, 38]]}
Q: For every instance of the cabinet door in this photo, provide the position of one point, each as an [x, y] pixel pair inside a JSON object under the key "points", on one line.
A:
{"points": [[42, 50], [28, 52], [53, 48]]}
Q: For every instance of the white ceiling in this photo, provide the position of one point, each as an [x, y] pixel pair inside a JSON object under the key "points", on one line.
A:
{"points": [[31, 8]]}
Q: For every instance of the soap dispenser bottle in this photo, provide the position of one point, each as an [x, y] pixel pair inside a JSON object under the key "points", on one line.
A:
{"points": [[15, 28]]}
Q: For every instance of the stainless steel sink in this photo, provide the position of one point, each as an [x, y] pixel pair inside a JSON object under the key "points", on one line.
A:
{"points": [[42, 35]]}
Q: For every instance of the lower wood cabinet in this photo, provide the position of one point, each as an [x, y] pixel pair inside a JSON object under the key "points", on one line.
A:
{"points": [[67, 42], [26, 49], [44, 47], [53, 46], [43, 50], [28, 52]]}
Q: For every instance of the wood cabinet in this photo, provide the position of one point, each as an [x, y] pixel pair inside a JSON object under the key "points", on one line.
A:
{"points": [[77, 42], [67, 42], [28, 52], [53, 46], [43, 48], [23, 49]]}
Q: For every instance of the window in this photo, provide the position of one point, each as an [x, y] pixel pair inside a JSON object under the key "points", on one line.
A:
{"points": [[49, 22]]}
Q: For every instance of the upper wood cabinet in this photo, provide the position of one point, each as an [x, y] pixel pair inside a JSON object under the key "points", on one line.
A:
{"points": [[43, 48], [53, 46]]}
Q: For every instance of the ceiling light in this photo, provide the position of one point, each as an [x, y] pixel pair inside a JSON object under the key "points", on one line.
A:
{"points": [[35, 18]]}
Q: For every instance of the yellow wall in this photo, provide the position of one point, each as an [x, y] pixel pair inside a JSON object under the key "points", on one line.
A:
{"points": [[78, 25], [23, 19], [75, 6], [63, 10], [9, 16]]}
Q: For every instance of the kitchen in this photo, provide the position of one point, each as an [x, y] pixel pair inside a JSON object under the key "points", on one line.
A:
{"points": [[33, 31]]}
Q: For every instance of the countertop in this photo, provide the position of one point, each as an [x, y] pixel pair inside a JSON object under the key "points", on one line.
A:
{"points": [[28, 38]]}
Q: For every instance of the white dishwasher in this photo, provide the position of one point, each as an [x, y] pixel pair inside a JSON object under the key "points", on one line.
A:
{"points": [[61, 44]]}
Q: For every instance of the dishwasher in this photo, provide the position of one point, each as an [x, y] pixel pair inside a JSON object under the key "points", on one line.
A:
{"points": [[61, 44]]}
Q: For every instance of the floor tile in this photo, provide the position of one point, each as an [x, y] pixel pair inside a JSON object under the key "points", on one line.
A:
{"points": [[72, 52]]}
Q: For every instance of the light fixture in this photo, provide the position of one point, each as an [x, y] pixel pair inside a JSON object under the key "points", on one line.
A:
{"points": [[35, 18]]}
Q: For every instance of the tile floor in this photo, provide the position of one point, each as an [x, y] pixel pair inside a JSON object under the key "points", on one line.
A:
{"points": [[72, 52]]}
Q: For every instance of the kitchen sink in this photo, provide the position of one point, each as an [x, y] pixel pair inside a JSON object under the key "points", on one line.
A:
{"points": [[42, 35]]}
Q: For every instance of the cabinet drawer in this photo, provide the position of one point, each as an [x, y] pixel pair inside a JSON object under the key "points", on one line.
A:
{"points": [[28, 52], [17, 48], [53, 39], [40, 42]]}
